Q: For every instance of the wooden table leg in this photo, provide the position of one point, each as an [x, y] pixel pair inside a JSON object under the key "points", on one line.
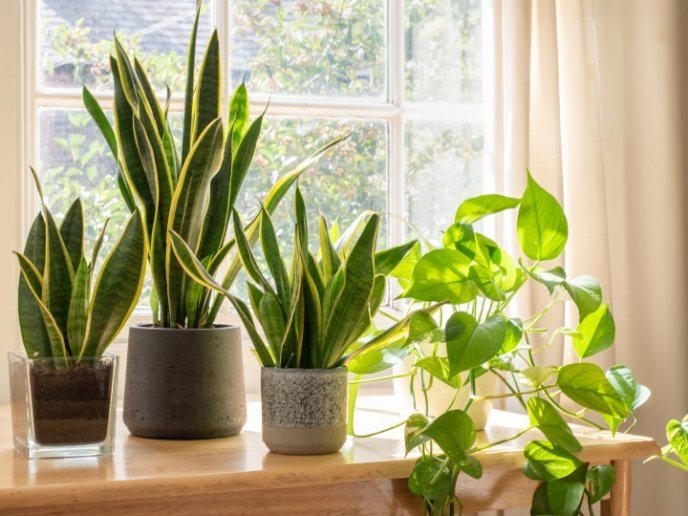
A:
{"points": [[619, 502]]}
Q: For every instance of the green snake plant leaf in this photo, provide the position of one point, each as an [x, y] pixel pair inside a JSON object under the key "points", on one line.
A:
{"points": [[352, 301], [187, 206], [117, 287], [475, 208], [255, 295], [58, 274], [328, 255], [190, 81], [96, 248], [239, 114], [313, 315], [58, 346], [171, 154], [157, 256], [291, 347], [34, 335], [541, 225], [547, 419], [273, 257], [128, 156], [146, 155], [262, 349], [272, 320], [154, 164], [207, 100], [127, 75], [219, 207], [247, 259], [469, 343], [271, 200], [389, 259], [77, 320], [189, 198], [195, 269], [103, 124], [227, 183], [163, 182], [365, 320], [101, 120], [72, 232], [242, 156], [313, 290], [149, 101], [595, 333]]}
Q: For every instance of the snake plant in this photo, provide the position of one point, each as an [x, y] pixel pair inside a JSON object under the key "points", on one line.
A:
{"points": [[189, 188], [62, 312], [315, 309]]}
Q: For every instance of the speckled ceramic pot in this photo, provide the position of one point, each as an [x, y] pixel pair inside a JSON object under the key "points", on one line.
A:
{"points": [[304, 410], [184, 384]]}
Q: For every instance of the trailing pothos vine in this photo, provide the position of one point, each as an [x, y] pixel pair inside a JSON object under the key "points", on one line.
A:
{"points": [[464, 310]]}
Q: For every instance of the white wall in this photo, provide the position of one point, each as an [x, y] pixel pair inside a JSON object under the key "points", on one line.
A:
{"points": [[10, 186]]}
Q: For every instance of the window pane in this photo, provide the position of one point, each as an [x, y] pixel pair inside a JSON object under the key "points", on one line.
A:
{"points": [[346, 181], [74, 161], [444, 167], [443, 50], [75, 39], [325, 48]]}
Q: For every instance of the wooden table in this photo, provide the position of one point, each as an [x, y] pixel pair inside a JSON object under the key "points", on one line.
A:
{"points": [[237, 475]]}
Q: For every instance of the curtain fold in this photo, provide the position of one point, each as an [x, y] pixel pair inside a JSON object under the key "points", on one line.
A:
{"points": [[588, 96]]}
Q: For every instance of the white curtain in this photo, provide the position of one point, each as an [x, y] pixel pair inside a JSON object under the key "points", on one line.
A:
{"points": [[590, 95]]}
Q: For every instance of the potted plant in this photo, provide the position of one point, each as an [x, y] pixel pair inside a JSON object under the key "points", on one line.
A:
{"points": [[478, 332], [63, 390], [184, 373], [311, 316]]}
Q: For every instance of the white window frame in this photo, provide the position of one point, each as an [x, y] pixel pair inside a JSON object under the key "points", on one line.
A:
{"points": [[22, 100]]}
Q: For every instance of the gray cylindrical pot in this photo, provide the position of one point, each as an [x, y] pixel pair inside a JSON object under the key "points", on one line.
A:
{"points": [[184, 383], [304, 410]]}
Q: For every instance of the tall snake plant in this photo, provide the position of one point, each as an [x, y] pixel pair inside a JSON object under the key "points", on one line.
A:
{"points": [[191, 188], [315, 309]]}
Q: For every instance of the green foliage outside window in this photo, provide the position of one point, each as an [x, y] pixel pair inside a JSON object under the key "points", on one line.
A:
{"points": [[326, 48]]}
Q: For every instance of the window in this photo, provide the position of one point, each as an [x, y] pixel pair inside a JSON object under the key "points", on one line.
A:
{"points": [[405, 78]]}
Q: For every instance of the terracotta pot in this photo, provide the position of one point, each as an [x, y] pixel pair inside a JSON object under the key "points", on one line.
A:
{"points": [[184, 383], [304, 410]]}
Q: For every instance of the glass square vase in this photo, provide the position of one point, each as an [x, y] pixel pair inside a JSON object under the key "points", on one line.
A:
{"points": [[63, 407]]}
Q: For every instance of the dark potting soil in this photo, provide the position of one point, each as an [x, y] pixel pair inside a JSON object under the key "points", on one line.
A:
{"points": [[71, 405]]}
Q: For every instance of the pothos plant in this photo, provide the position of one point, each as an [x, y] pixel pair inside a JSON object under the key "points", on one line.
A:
{"points": [[675, 452], [188, 187], [476, 282]]}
